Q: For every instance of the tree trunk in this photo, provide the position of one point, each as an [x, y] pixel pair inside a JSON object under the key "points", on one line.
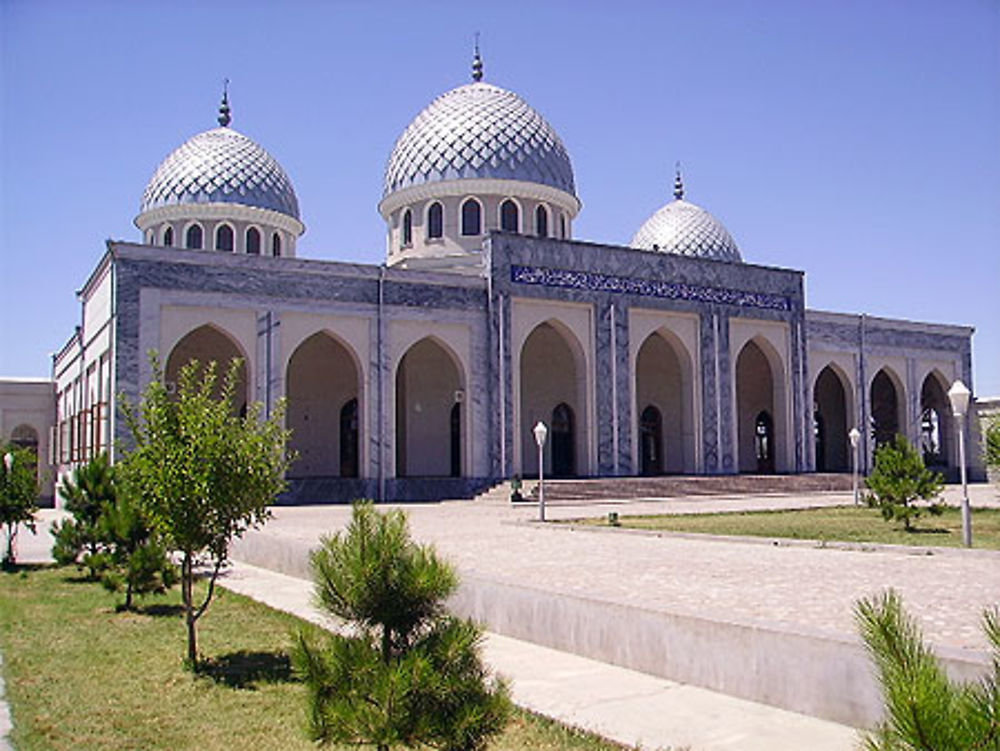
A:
{"points": [[187, 593], [128, 595]]}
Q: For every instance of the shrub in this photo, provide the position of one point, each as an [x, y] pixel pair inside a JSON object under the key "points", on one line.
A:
{"points": [[18, 494], [900, 478], [87, 491], [408, 673]]}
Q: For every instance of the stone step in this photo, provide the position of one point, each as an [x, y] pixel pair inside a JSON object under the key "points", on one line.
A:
{"points": [[626, 488]]}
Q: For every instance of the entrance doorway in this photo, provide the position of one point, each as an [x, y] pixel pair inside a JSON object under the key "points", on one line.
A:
{"points": [[651, 441], [763, 441], [563, 440]]}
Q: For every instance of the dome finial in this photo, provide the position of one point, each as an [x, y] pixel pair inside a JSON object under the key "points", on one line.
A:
{"points": [[678, 182], [224, 117], [477, 63]]}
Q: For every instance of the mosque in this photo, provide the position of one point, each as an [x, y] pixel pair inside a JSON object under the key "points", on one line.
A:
{"points": [[423, 377]]}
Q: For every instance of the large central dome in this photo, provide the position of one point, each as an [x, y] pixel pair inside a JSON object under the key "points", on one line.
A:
{"points": [[479, 131]]}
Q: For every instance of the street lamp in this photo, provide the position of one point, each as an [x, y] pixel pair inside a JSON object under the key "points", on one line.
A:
{"points": [[541, 432], [855, 436], [959, 396]]}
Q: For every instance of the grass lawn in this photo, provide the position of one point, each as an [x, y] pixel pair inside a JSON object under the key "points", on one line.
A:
{"points": [[81, 676], [840, 523]]}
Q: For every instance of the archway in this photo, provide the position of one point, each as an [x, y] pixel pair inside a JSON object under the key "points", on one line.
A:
{"points": [[755, 396], [663, 382], [885, 422], [651, 441], [831, 422], [552, 384], [207, 344], [321, 384], [935, 423], [428, 386]]}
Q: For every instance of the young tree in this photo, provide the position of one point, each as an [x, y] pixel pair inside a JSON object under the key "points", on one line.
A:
{"points": [[18, 494], [991, 444], [409, 673], [900, 478], [924, 710], [136, 559], [91, 488], [201, 474]]}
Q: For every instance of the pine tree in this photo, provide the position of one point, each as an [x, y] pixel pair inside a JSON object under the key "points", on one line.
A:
{"points": [[136, 559], [898, 479], [924, 710], [87, 492], [407, 673]]}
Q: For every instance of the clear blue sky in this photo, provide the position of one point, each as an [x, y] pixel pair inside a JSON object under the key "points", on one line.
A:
{"points": [[858, 141]]}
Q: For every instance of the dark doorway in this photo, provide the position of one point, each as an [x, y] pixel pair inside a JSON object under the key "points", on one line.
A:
{"points": [[651, 441], [563, 438], [885, 409], [349, 439], [819, 427], [763, 442], [456, 440]]}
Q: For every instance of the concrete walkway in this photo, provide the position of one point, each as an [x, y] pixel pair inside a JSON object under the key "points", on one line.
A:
{"points": [[623, 705]]}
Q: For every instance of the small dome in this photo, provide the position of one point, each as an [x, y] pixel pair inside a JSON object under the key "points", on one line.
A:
{"points": [[685, 229], [479, 131], [221, 166]]}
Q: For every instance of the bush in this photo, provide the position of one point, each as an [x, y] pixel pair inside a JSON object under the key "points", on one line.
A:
{"points": [[900, 478], [991, 444], [408, 674], [924, 710]]}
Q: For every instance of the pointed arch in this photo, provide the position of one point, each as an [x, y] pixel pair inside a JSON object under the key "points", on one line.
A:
{"points": [[206, 344], [832, 419], [542, 220], [435, 221], [194, 237], [253, 241], [323, 381], [472, 217], [936, 422], [429, 382], [663, 380], [225, 238], [553, 372], [510, 215], [759, 389], [887, 398]]}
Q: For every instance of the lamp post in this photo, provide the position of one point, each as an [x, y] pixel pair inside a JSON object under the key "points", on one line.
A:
{"points": [[959, 396], [8, 462], [541, 432], [855, 436]]}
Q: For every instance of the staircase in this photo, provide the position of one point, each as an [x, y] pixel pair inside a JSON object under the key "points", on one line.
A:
{"points": [[633, 488]]}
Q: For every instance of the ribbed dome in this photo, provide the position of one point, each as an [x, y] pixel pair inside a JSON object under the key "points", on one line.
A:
{"points": [[479, 131], [688, 230], [221, 166]]}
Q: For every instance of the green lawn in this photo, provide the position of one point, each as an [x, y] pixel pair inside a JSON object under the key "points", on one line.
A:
{"points": [[81, 676], [841, 523]]}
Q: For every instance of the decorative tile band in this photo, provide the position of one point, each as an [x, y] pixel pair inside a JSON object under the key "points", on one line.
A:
{"points": [[595, 282]]}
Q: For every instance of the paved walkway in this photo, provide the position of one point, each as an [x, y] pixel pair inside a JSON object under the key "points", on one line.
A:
{"points": [[626, 706], [801, 588]]}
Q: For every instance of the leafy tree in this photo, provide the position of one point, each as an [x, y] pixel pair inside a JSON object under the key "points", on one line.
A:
{"points": [[136, 559], [924, 710], [201, 474], [87, 492], [407, 673], [18, 494], [900, 478], [991, 444]]}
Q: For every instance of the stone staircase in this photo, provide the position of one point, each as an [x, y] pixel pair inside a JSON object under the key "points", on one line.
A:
{"points": [[633, 488]]}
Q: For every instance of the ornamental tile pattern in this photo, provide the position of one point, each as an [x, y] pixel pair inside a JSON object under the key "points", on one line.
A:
{"points": [[688, 230], [479, 131], [221, 166]]}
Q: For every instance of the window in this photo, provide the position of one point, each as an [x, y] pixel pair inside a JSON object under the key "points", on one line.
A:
{"points": [[562, 226], [276, 245], [224, 238], [150, 237], [435, 221], [253, 241], [470, 217], [407, 228], [541, 221], [194, 237], [508, 216], [168, 237]]}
